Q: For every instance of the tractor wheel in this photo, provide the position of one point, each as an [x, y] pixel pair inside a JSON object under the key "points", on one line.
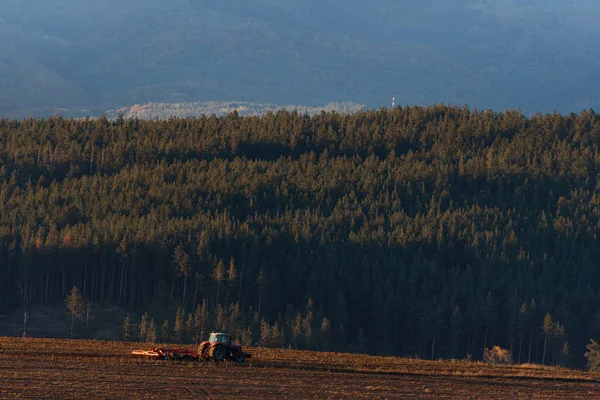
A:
{"points": [[238, 356], [217, 353], [202, 350]]}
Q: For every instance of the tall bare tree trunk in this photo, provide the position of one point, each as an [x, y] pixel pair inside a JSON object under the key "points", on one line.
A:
{"points": [[485, 337], [184, 289], [544, 352], [240, 288], [196, 293], [47, 295]]}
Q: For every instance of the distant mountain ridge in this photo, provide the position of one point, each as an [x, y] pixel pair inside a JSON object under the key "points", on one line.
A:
{"points": [[81, 54]]}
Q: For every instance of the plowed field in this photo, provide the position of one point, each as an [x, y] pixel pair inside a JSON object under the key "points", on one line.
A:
{"points": [[43, 368]]}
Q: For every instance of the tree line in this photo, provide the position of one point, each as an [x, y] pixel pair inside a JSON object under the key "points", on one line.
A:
{"points": [[423, 231]]}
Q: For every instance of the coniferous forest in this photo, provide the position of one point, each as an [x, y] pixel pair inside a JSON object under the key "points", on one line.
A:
{"points": [[433, 232]]}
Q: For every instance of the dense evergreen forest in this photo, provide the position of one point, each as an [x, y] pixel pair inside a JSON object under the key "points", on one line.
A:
{"points": [[430, 232]]}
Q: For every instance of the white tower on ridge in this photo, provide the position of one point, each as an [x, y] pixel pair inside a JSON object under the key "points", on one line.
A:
{"points": [[393, 102]]}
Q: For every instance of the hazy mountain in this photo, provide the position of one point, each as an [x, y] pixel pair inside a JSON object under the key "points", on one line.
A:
{"points": [[531, 54]]}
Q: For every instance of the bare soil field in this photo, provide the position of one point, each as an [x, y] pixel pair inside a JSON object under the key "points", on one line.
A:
{"points": [[45, 368]]}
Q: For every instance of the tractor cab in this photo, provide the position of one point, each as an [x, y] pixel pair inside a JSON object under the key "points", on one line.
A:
{"points": [[220, 338]]}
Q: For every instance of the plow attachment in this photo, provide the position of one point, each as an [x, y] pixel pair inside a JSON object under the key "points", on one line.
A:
{"points": [[148, 353], [168, 354]]}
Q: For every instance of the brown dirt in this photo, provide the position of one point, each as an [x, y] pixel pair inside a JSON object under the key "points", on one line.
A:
{"points": [[44, 368]]}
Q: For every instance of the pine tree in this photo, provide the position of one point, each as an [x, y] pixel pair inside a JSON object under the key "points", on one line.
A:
{"points": [[179, 329], [189, 328], [151, 333], [261, 283], [307, 327], [75, 305], [296, 332], [200, 321], [565, 354], [219, 277], [325, 334], [547, 329], [532, 326], [181, 261], [127, 328], [165, 333], [558, 333], [247, 337], [277, 336], [265, 334], [232, 324], [231, 277], [489, 314], [592, 355], [144, 328], [220, 318], [522, 323]]}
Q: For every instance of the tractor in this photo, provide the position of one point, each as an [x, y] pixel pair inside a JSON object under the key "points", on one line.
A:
{"points": [[219, 347]]}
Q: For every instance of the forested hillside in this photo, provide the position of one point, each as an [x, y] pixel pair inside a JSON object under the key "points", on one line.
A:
{"points": [[430, 232], [85, 54]]}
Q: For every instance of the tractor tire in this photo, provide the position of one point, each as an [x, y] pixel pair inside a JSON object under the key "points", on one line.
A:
{"points": [[202, 353], [217, 353], [238, 356]]}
